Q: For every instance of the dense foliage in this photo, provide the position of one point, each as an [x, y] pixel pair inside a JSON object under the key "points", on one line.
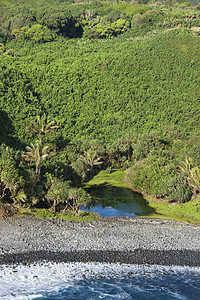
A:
{"points": [[121, 82], [104, 88], [95, 19]]}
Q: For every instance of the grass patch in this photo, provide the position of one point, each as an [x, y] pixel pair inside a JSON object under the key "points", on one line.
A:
{"points": [[44, 213], [185, 212], [83, 216], [115, 178]]}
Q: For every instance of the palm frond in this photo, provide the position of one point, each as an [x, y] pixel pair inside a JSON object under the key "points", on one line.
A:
{"points": [[41, 126]]}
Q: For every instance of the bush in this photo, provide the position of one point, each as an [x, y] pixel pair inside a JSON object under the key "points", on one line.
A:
{"points": [[148, 18], [131, 10], [108, 30], [113, 16], [185, 4], [2, 37], [176, 188], [11, 181], [149, 174], [36, 33], [2, 48], [25, 19], [60, 22], [58, 194]]}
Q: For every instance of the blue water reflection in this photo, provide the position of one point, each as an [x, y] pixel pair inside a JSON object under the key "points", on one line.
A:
{"points": [[120, 202]]}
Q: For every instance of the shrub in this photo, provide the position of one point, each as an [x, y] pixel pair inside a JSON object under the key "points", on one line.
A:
{"points": [[149, 174], [24, 19], [60, 22], [58, 194], [10, 52], [36, 33], [149, 18], [113, 16], [11, 181], [185, 4], [131, 10], [176, 188], [1, 48], [108, 30]]}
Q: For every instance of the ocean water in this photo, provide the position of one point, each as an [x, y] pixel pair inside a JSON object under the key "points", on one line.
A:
{"points": [[98, 281]]}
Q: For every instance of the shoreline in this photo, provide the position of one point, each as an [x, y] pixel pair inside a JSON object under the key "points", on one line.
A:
{"points": [[109, 240], [182, 258]]}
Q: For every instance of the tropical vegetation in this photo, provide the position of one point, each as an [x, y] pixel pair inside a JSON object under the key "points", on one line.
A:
{"points": [[98, 85]]}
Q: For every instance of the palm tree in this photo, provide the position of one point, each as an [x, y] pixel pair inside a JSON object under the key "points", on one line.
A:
{"points": [[192, 173], [187, 165], [90, 158], [195, 177], [41, 126], [37, 154]]}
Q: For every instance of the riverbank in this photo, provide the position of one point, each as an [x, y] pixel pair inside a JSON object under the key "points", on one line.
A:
{"points": [[185, 212], [125, 240]]}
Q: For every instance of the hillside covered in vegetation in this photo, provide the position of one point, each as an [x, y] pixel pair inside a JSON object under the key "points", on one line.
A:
{"points": [[120, 80]]}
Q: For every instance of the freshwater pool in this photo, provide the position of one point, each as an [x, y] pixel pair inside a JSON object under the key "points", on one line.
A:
{"points": [[118, 202]]}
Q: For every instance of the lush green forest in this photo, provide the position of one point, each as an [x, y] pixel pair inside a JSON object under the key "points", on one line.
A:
{"points": [[119, 80]]}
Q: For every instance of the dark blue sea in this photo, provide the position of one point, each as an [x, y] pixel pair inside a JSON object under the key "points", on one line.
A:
{"points": [[98, 281]]}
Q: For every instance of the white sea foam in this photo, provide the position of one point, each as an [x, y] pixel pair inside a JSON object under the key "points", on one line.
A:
{"points": [[33, 281]]}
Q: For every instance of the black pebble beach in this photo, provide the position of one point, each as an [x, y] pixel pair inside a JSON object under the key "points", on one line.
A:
{"points": [[125, 240]]}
